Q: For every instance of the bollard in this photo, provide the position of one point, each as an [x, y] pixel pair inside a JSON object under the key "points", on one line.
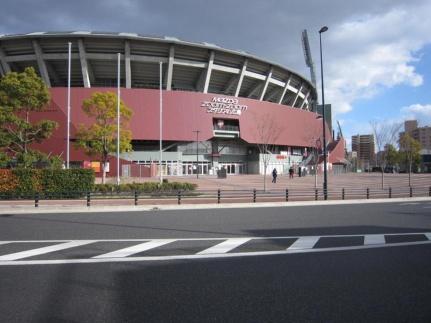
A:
{"points": [[36, 199], [218, 196], [390, 192], [411, 191], [368, 193], [429, 193], [254, 195], [179, 197], [343, 194], [88, 199], [287, 195], [136, 197], [316, 194]]}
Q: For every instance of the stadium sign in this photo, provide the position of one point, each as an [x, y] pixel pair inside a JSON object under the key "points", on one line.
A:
{"points": [[222, 105]]}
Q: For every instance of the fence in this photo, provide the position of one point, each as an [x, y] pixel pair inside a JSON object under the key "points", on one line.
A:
{"points": [[214, 196]]}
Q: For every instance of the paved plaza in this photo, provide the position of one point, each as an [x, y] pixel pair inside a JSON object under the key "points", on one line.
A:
{"points": [[348, 181]]}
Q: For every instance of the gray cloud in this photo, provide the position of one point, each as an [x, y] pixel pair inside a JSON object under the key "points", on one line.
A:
{"points": [[270, 29]]}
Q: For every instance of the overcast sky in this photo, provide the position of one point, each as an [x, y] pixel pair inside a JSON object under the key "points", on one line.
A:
{"points": [[377, 53]]}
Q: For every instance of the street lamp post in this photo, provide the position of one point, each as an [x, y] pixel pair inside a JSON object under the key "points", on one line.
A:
{"points": [[325, 175], [197, 152]]}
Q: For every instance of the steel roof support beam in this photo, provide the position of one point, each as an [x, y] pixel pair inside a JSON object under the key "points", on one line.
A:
{"points": [[41, 63], [273, 93], [84, 65], [268, 77], [241, 77], [306, 100], [52, 72], [201, 80], [297, 95], [209, 70], [3, 62], [285, 89], [170, 69], [232, 81], [256, 89], [127, 68]]}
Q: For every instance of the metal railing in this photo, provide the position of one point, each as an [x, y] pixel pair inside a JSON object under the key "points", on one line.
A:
{"points": [[212, 196]]}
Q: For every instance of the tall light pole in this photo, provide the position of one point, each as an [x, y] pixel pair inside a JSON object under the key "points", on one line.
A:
{"points": [[118, 117], [161, 121], [325, 175], [197, 152], [68, 105]]}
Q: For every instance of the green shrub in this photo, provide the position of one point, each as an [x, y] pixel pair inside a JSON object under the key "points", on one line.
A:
{"points": [[67, 181], [147, 187]]}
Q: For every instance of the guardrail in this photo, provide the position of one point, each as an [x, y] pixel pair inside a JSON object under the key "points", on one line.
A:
{"points": [[216, 196]]}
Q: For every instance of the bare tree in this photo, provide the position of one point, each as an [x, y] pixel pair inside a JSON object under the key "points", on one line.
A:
{"points": [[314, 140], [267, 131], [385, 133]]}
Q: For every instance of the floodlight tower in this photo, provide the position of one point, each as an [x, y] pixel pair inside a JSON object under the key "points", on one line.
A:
{"points": [[307, 55]]}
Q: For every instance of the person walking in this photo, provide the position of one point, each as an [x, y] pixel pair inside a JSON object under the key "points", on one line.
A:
{"points": [[291, 172], [274, 175]]}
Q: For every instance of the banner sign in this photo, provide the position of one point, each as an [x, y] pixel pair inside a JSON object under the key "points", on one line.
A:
{"points": [[221, 105]]}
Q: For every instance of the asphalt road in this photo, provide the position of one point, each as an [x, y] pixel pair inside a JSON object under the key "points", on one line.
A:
{"points": [[387, 282]]}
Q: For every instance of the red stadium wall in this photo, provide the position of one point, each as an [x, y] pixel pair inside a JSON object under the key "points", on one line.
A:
{"points": [[182, 113]]}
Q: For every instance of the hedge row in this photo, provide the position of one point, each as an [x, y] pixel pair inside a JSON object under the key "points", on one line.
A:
{"points": [[72, 182], [50, 181], [147, 187]]}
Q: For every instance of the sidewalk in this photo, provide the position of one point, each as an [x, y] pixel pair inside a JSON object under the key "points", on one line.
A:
{"points": [[9, 210], [335, 182]]}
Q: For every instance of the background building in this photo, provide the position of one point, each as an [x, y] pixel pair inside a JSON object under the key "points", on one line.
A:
{"points": [[364, 146], [421, 134], [222, 95]]}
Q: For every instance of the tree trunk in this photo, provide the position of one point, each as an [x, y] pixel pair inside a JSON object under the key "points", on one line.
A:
{"points": [[383, 179], [104, 162], [103, 172], [410, 170], [264, 176]]}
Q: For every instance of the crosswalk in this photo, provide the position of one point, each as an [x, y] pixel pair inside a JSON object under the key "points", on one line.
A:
{"points": [[35, 252]]}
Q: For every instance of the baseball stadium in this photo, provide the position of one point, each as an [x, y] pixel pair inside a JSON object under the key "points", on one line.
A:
{"points": [[219, 106]]}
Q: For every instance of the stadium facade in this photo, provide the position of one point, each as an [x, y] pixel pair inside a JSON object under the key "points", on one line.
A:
{"points": [[214, 100]]}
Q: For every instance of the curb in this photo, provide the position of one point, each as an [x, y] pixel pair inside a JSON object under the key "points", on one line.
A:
{"points": [[18, 209]]}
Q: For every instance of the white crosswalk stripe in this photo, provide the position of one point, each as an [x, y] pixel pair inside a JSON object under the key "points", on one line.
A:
{"points": [[304, 243], [135, 249], [225, 246], [371, 239], [44, 250]]}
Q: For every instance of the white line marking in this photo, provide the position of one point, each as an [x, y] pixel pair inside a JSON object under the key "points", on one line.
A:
{"points": [[304, 243], [44, 250], [411, 203], [4, 242], [225, 246], [135, 249], [208, 256], [219, 238], [428, 235], [374, 239]]}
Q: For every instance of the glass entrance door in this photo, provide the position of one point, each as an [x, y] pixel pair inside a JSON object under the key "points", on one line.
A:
{"points": [[234, 168]]}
